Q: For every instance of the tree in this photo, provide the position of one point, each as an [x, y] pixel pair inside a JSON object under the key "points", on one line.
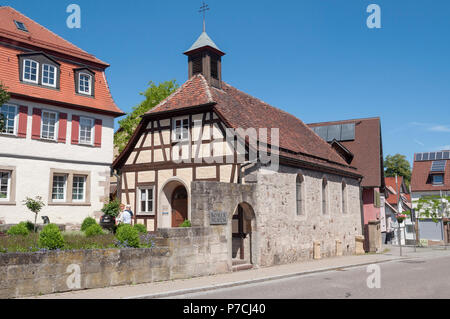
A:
{"points": [[154, 94], [4, 97], [35, 205], [398, 165]]}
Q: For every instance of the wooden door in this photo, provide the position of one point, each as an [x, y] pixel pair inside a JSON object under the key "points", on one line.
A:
{"points": [[179, 206]]}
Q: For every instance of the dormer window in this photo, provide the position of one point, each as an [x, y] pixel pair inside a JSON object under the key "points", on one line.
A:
{"points": [[49, 75], [438, 179], [84, 84], [84, 81], [30, 71], [21, 26]]}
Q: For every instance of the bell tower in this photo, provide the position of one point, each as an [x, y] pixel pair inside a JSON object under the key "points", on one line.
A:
{"points": [[205, 57]]}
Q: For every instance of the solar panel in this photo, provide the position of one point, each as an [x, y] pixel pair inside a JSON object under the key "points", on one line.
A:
{"points": [[334, 133], [432, 156], [446, 155], [439, 155], [321, 131], [438, 166], [348, 132], [418, 156], [425, 156]]}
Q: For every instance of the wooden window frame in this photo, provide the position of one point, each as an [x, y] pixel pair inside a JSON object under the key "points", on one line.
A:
{"points": [[139, 201], [92, 131], [69, 188], [56, 128], [16, 119], [37, 71], [90, 83], [55, 70], [174, 129]]}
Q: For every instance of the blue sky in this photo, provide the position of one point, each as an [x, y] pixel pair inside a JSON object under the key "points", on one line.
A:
{"points": [[316, 59]]}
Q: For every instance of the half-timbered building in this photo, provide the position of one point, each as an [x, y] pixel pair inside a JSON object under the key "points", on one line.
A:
{"points": [[181, 161]]}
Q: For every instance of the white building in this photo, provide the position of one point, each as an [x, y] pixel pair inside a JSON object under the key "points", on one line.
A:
{"points": [[58, 139]]}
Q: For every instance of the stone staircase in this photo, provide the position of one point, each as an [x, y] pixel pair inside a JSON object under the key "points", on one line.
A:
{"points": [[239, 264]]}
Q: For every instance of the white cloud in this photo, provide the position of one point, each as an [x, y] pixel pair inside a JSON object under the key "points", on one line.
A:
{"points": [[440, 128]]}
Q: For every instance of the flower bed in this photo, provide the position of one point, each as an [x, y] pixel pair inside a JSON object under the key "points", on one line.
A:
{"points": [[73, 241]]}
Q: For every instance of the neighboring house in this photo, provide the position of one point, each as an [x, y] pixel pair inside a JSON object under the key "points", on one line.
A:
{"points": [[398, 200], [278, 213], [431, 177], [359, 142], [58, 139]]}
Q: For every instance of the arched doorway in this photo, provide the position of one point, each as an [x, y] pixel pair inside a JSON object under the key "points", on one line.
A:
{"points": [[243, 237], [173, 204], [179, 205]]}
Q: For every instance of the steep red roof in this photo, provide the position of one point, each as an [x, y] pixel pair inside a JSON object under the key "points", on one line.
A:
{"points": [[366, 148], [38, 36], [45, 41], [421, 178], [240, 110]]}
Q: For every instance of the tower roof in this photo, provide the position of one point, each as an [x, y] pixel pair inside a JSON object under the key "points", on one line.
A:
{"points": [[204, 41]]}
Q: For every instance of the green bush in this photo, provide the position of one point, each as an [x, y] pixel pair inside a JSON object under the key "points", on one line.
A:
{"points": [[186, 223], [94, 230], [51, 237], [87, 222], [30, 226], [20, 229], [112, 208], [128, 236], [140, 228]]}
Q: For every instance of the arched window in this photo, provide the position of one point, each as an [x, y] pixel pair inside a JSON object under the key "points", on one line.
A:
{"points": [[324, 196], [299, 194], [344, 197]]}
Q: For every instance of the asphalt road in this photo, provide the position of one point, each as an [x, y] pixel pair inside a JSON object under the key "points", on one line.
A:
{"points": [[415, 278]]}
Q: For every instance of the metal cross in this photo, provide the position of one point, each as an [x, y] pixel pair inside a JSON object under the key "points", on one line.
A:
{"points": [[203, 10]]}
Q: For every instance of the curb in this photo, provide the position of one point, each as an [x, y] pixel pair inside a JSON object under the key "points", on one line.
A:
{"points": [[253, 281]]}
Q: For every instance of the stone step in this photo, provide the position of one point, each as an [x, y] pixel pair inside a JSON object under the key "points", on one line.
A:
{"points": [[242, 267], [238, 262]]}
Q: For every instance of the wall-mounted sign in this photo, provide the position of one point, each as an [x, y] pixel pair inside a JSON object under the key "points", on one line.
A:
{"points": [[218, 218], [165, 213]]}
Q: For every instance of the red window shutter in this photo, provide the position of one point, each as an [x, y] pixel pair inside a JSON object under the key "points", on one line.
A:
{"points": [[36, 124], [75, 129], [98, 133], [23, 119], [62, 127]]}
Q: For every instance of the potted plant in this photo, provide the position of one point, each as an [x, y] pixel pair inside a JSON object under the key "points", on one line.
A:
{"points": [[400, 218], [110, 212]]}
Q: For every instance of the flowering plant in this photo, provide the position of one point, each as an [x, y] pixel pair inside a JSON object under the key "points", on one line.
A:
{"points": [[400, 217]]}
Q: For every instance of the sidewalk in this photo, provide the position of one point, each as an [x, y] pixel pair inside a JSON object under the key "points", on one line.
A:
{"points": [[175, 287]]}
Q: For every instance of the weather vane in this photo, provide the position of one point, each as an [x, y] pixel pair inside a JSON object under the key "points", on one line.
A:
{"points": [[203, 10]]}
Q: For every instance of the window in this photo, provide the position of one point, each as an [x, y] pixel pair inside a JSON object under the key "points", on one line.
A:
{"points": [[84, 83], [78, 188], [324, 196], [59, 188], [21, 26], [48, 129], [438, 179], [299, 195], [5, 181], [146, 201], [48, 75], [30, 71], [86, 128], [180, 129], [9, 113], [344, 198], [214, 68]]}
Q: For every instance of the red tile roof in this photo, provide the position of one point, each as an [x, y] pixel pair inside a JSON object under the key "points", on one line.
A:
{"points": [[421, 179], [240, 110], [46, 41], [38, 36], [366, 148]]}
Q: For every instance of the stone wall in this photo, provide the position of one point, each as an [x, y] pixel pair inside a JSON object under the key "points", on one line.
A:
{"points": [[284, 236], [179, 253]]}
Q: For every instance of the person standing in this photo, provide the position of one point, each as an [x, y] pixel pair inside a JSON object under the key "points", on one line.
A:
{"points": [[124, 216]]}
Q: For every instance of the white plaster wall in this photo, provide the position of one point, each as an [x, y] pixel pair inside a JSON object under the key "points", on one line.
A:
{"points": [[67, 151], [33, 179]]}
